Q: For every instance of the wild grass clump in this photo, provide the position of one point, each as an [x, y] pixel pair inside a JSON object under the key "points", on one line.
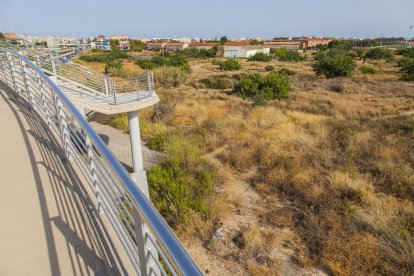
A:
{"points": [[338, 88], [104, 57], [407, 66], [217, 82], [368, 70], [181, 186], [286, 72], [269, 68], [262, 57], [228, 65], [379, 53], [288, 55], [177, 60], [170, 76]]}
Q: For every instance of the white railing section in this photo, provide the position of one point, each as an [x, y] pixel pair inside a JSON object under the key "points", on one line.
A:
{"points": [[128, 210], [74, 77]]}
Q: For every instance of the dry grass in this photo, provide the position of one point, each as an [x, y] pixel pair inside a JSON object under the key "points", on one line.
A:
{"points": [[333, 169]]}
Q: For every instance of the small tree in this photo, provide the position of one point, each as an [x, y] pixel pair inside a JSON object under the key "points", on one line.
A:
{"points": [[223, 40], [335, 66], [2, 35]]}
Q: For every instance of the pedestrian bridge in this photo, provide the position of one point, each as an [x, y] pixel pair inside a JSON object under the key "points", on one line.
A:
{"points": [[67, 205]]}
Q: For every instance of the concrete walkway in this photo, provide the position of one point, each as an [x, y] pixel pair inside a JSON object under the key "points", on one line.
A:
{"points": [[42, 209]]}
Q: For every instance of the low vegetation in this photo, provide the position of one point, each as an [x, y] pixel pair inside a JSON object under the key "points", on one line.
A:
{"points": [[217, 82], [228, 64], [263, 88], [288, 55], [379, 53], [181, 186], [334, 66], [170, 76], [368, 70], [260, 57], [168, 60], [316, 174]]}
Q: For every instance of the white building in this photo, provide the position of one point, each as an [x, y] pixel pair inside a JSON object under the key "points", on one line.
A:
{"points": [[183, 39], [246, 51]]}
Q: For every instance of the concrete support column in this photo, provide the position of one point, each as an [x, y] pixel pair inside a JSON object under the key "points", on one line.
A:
{"points": [[138, 175], [146, 249]]}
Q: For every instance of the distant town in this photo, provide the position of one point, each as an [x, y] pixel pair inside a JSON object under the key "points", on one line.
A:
{"points": [[228, 48]]}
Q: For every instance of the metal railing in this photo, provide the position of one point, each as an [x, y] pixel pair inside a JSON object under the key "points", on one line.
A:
{"points": [[150, 244], [73, 76]]}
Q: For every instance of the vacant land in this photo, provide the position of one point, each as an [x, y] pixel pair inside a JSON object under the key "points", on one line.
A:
{"points": [[319, 182]]}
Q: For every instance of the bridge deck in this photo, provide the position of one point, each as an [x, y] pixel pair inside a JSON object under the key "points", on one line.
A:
{"points": [[42, 228]]}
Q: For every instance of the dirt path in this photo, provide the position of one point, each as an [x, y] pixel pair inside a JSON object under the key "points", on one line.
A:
{"points": [[239, 212]]}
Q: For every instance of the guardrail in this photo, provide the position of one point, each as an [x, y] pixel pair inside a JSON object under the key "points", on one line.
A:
{"points": [[69, 73], [150, 244]]}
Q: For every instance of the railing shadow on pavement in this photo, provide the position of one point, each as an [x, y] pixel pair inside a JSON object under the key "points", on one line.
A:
{"points": [[69, 196]]}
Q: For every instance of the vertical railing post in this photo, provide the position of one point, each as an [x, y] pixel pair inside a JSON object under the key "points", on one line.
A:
{"points": [[46, 112], [12, 72], [150, 81], [28, 89], [3, 69], [38, 64], [52, 62], [106, 85], [92, 167], [63, 129], [140, 241], [136, 82]]}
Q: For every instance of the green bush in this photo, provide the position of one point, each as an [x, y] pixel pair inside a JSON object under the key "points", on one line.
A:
{"points": [[270, 87], [97, 58], [146, 64], [115, 68], [104, 57], [260, 57], [176, 60], [407, 66], [170, 76], [136, 45], [336, 66], [182, 185], [286, 72], [269, 68], [217, 82], [368, 70], [406, 52], [340, 44], [216, 62], [285, 55], [379, 53], [230, 65], [199, 53], [352, 54]]}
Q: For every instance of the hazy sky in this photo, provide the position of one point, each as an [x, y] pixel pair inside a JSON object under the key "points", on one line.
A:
{"points": [[208, 18]]}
